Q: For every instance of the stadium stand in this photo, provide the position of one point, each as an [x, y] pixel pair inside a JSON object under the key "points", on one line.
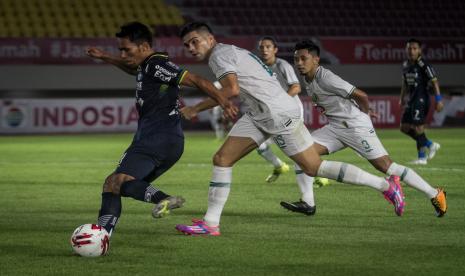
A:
{"points": [[84, 18], [289, 20]]}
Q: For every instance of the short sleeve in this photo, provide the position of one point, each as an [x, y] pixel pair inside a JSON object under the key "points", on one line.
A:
{"points": [[223, 62], [429, 71], [165, 71], [288, 73], [335, 84]]}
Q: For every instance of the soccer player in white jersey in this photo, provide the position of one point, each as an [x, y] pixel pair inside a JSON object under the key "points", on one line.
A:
{"points": [[270, 112], [286, 76], [348, 113]]}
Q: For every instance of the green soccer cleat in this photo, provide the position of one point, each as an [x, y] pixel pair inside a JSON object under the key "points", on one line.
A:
{"points": [[277, 172], [321, 182], [165, 206]]}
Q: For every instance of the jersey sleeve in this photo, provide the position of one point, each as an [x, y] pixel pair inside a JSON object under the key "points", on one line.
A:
{"points": [[165, 71], [429, 71], [289, 73], [335, 84], [223, 63]]}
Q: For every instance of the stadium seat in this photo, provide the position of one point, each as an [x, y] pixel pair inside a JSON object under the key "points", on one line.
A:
{"points": [[64, 18]]}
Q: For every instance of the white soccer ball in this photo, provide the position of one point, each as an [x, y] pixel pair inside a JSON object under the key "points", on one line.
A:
{"points": [[90, 240]]}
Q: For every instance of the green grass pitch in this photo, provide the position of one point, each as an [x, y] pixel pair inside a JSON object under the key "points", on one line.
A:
{"points": [[49, 185]]}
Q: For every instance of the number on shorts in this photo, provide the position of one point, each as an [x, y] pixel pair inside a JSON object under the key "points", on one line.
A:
{"points": [[279, 140], [417, 113], [366, 146]]}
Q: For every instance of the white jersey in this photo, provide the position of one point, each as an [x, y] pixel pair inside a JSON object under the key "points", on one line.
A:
{"points": [[266, 103], [286, 76], [331, 95]]}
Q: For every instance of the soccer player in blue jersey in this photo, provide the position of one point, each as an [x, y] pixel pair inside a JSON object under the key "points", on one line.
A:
{"points": [[159, 141], [417, 73]]}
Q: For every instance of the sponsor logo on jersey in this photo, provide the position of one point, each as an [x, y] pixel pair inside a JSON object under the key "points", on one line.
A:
{"points": [[172, 65]]}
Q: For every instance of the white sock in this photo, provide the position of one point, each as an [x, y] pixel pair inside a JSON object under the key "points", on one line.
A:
{"points": [[219, 133], [265, 152], [218, 194], [410, 177], [351, 174], [305, 183]]}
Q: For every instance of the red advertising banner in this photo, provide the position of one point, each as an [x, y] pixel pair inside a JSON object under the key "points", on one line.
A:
{"points": [[119, 115], [72, 50], [383, 51]]}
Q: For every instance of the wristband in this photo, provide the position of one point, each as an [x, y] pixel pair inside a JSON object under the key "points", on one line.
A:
{"points": [[438, 97], [217, 85]]}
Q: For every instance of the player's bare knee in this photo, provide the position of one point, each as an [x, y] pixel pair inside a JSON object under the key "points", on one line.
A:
{"points": [[221, 160], [108, 184], [309, 169], [419, 129], [118, 180], [382, 164], [405, 128]]}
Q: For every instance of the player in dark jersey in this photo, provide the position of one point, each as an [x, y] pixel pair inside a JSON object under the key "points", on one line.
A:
{"points": [[415, 100], [159, 141]]}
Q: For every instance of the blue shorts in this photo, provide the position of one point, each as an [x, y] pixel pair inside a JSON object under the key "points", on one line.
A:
{"points": [[150, 157]]}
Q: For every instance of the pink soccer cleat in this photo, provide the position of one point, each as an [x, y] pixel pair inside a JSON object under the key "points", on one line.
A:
{"points": [[198, 228], [394, 194]]}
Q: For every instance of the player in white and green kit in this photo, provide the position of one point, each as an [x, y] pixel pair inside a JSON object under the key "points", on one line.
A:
{"points": [[270, 112], [347, 110]]}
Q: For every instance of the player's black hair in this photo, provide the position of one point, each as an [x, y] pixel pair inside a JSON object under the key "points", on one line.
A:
{"points": [[309, 45], [194, 26], [270, 38], [413, 40], [136, 32]]}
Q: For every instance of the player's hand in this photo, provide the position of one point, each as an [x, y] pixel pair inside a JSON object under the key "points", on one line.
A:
{"points": [[439, 106], [229, 109], [188, 112], [95, 52], [373, 114]]}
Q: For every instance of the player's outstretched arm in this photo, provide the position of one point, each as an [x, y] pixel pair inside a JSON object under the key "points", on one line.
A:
{"points": [[217, 96], [97, 53]]}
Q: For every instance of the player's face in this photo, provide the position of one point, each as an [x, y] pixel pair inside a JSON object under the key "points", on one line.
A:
{"points": [[267, 50], [131, 53], [305, 62], [199, 44], [413, 50]]}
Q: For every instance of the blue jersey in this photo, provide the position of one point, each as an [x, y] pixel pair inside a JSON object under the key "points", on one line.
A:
{"points": [[157, 96], [416, 77]]}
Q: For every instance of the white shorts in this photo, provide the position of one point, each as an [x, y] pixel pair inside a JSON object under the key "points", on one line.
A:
{"points": [[361, 139], [299, 102], [291, 141]]}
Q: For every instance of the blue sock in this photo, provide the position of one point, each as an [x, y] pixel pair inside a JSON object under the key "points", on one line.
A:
{"points": [[421, 153], [429, 143]]}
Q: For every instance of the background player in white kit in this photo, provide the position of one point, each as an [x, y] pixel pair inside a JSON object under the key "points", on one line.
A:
{"points": [[270, 113], [286, 76], [267, 49], [347, 110]]}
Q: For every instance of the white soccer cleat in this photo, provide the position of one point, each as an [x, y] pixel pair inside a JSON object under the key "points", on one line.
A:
{"points": [[419, 161], [432, 150]]}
